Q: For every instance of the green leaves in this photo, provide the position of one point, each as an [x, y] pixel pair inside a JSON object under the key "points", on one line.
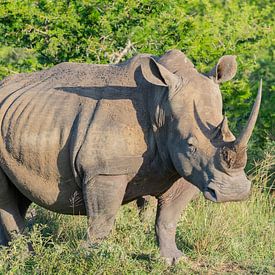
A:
{"points": [[50, 32]]}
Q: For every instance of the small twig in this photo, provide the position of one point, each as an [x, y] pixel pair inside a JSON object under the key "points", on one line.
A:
{"points": [[125, 51], [32, 28]]}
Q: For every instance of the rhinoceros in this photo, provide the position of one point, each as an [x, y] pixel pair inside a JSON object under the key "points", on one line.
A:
{"points": [[84, 139]]}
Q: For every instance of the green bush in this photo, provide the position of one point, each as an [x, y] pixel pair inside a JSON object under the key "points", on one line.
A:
{"points": [[39, 34]]}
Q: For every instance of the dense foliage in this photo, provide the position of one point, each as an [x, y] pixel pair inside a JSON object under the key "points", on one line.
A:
{"points": [[41, 33]]}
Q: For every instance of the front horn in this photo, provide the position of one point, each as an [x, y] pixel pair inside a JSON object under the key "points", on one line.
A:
{"points": [[245, 135]]}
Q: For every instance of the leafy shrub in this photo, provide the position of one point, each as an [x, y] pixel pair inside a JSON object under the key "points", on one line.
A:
{"points": [[39, 34]]}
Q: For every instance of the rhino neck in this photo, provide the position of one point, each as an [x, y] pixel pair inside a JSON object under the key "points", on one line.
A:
{"points": [[162, 150], [154, 98], [158, 120]]}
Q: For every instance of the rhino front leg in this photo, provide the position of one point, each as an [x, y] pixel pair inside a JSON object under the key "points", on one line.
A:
{"points": [[103, 196], [170, 206]]}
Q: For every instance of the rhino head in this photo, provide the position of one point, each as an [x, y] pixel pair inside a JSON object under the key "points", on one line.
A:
{"points": [[191, 132]]}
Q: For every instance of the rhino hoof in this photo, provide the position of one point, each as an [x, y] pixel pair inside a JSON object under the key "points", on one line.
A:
{"points": [[175, 258]]}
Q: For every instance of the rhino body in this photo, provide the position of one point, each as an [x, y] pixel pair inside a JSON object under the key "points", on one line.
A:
{"points": [[84, 139]]}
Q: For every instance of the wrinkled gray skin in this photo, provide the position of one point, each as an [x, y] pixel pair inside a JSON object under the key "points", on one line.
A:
{"points": [[84, 139]]}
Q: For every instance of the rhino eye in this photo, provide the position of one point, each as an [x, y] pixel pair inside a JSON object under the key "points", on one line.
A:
{"points": [[192, 148]]}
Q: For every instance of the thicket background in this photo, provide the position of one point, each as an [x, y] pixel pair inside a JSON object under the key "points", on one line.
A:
{"points": [[38, 34]]}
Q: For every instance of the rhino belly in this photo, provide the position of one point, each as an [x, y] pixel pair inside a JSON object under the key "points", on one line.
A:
{"points": [[35, 148]]}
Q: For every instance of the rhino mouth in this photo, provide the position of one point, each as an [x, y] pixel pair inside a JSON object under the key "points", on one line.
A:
{"points": [[210, 194]]}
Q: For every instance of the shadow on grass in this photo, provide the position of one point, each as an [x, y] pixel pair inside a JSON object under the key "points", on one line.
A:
{"points": [[48, 223], [148, 259], [55, 227], [182, 244], [142, 257]]}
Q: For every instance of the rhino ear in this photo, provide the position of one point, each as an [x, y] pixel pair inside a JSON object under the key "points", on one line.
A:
{"points": [[157, 74], [225, 69]]}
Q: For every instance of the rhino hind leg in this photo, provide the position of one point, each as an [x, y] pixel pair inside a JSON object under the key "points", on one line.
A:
{"points": [[170, 206], [146, 206], [11, 218], [23, 204], [3, 239], [103, 196]]}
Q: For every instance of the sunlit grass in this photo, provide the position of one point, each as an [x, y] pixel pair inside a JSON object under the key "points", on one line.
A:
{"points": [[234, 238]]}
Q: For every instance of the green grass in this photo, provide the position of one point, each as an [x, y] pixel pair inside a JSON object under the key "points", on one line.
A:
{"points": [[230, 238]]}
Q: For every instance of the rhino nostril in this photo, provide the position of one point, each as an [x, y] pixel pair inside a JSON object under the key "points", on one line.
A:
{"points": [[212, 193]]}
